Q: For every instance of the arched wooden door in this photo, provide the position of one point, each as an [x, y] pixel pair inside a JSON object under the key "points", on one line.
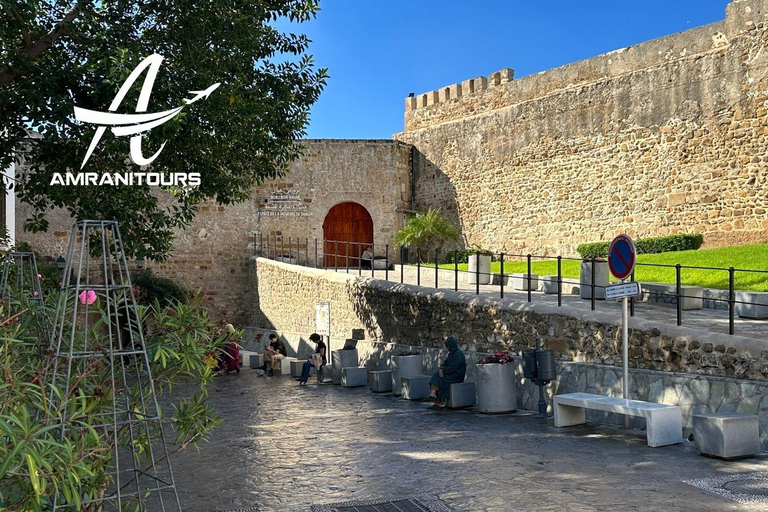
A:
{"points": [[347, 231]]}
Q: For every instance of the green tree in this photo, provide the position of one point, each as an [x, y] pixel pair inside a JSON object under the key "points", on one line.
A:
{"points": [[427, 231], [57, 54]]}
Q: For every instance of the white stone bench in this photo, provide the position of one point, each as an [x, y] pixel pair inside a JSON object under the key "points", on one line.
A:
{"points": [[325, 373], [416, 387], [663, 422], [752, 304], [354, 377], [726, 435], [522, 281], [461, 394], [380, 381], [666, 293], [285, 365]]}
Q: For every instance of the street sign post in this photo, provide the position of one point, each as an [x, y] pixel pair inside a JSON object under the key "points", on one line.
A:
{"points": [[621, 261]]}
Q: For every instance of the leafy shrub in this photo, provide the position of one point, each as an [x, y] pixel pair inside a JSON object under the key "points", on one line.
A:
{"points": [[50, 272], [458, 256], [655, 245], [427, 231], [498, 357], [152, 287]]}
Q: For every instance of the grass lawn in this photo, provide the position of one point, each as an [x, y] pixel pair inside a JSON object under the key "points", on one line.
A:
{"points": [[742, 257]]}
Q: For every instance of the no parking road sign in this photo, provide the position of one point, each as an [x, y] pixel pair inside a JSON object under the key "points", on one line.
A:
{"points": [[621, 256]]}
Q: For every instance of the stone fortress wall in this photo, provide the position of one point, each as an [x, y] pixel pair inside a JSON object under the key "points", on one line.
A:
{"points": [[213, 252], [663, 137]]}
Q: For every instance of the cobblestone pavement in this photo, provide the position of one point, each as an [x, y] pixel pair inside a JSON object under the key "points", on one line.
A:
{"points": [[285, 447], [707, 320]]}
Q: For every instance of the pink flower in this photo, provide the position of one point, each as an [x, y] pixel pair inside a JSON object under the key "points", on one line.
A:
{"points": [[39, 276], [87, 297], [35, 294]]}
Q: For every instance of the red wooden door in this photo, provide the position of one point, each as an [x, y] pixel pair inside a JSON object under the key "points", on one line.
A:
{"points": [[347, 231]]}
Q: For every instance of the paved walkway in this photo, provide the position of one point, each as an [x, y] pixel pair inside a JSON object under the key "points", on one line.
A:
{"points": [[284, 447], [706, 320]]}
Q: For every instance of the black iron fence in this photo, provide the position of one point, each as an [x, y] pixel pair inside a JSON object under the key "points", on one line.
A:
{"points": [[339, 255]]}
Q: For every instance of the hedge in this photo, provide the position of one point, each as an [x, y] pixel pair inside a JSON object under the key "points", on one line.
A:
{"points": [[655, 245]]}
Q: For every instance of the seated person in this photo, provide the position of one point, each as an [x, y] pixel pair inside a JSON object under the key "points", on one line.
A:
{"points": [[273, 353], [453, 370], [366, 257], [317, 359]]}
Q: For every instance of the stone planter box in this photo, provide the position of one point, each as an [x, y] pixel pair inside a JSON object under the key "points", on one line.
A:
{"points": [[354, 377], [522, 282], [256, 360], [485, 269], [496, 388], [726, 435], [380, 381], [343, 359], [416, 387], [548, 284], [297, 366], [756, 307], [285, 365], [380, 263], [405, 366], [601, 279]]}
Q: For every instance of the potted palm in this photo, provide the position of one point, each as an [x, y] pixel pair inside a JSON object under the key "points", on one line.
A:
{"points": [[496, 386]]}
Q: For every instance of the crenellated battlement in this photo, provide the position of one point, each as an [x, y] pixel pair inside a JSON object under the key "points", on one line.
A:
{"points": [[456, 91]]}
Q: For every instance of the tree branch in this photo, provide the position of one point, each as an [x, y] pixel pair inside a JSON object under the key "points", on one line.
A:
{"points": [[34, 50]]}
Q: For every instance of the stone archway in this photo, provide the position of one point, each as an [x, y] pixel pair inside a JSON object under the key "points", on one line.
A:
{"points": [[347, 231]]}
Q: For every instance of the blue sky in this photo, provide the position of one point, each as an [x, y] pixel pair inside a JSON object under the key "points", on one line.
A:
{"points": [[377, 51]]}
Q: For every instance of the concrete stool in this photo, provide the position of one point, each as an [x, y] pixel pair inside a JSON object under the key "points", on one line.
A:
{"points": [[521, 282], [462, 394], [548, 284], [297, 366], [416, 387], [354, 377], [380, 381], [343, 359], [325, 373], [726, 435], [256, 360], [752, 304], [285, 365]]}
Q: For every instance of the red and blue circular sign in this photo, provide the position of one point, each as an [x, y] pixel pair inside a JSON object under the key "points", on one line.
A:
{"points": [[621, 256]]}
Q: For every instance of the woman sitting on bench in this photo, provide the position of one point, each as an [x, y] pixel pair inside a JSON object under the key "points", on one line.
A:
{"points": [[317, 359], [452, 371]]}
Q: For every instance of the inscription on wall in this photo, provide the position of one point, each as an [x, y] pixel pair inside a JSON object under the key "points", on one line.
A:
{"points": [[285, 202]]}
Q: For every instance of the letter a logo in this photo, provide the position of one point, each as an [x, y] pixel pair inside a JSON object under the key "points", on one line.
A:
{"points": [[135, 124]]}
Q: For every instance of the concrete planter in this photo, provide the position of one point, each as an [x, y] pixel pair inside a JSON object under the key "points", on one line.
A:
{"points": [[485, 269], [524, 281], [752, 305], [496, 388], [601, 279], [343, 359], [405, 366], [548, 284]]}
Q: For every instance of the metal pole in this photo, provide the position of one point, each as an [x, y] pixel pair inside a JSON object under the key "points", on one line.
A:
{"points": [[306, 251], [679, 293], [542, 402], [402, 264], [559, 281], [346, 258], [359, 260], [436, 285], [290, 249], [501, 277], [593, 285], [632, 299], [625, 350], [373, 253], [261, 247], [455, 270], [335, 256], [315, 252], [418, 266], [477, 274], [731, 299], [386, 259], [529, 278]]}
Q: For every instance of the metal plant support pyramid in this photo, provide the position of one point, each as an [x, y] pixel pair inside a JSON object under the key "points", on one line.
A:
{"points": [[20, 271], [97, 331]]}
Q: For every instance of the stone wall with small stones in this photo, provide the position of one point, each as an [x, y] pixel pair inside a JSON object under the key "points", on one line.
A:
{"points": [[668, 364], [663, 137]]}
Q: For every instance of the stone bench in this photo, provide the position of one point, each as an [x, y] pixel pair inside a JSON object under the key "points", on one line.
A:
{"points": [[325, 374], [416, 387], [285, 366], [752, 304], [354, 377], [255, 360], [298, 365], [663, 422], [522, 282], [666, 293], [548, 284], [462, 394], [726, 435], [380, 381]]}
